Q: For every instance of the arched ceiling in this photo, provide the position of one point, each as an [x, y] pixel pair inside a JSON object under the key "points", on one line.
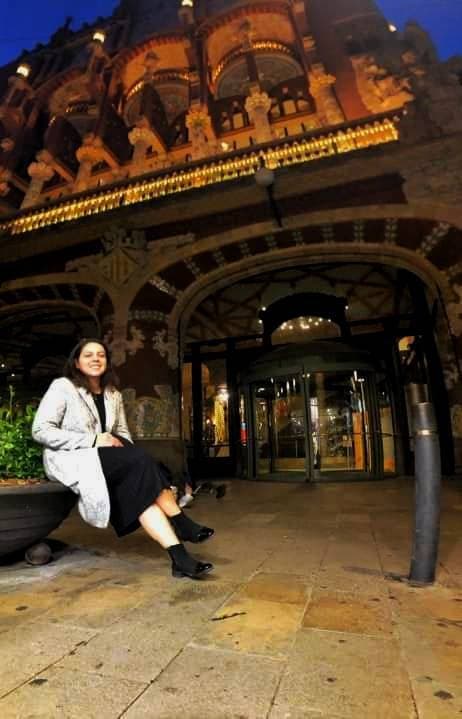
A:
{"points": [[372, 292]]}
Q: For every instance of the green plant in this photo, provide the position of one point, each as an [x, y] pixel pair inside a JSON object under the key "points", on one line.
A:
{"points": [[20, 456]]}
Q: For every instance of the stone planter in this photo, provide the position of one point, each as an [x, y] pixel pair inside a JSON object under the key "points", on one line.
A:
{"points": [[29, 512]]}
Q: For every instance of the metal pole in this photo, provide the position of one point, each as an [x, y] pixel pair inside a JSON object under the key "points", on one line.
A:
{"points": [[427, 495]]}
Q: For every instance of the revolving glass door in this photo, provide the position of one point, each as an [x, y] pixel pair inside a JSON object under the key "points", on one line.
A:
{"points": [[320, 425]]}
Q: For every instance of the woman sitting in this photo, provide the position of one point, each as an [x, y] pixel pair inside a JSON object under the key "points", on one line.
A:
{"points": [[87, 446]]}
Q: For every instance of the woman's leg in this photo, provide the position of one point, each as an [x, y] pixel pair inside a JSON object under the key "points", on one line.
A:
{"points": [[157, 526], [167, 502], [184, 526]]}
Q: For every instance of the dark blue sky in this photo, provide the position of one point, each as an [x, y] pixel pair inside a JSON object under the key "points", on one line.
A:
{"points": [[23, 23]]}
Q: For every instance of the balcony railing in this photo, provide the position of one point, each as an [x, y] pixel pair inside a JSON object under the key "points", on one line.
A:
{"points": [[309, 147]]}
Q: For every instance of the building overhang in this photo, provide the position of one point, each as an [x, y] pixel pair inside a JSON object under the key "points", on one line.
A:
{"points": [[311, 147]]}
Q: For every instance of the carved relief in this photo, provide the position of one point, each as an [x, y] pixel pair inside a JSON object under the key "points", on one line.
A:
{"points": [[120, 346], [125, 253], [456, 420], [379, 89], [454, 310], [166, 347]]}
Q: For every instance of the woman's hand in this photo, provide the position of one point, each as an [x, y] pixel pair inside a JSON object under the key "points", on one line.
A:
{"points": [[106, 439]]}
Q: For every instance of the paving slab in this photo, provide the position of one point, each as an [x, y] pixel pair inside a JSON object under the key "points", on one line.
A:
{"points": [[435, 700], [256, 626], [210, 684], [352, 577], [142, 643], [98, 606], [34, 647], [348, 612], [346, 675], [60, 694], [298, 558], [288, 589]]}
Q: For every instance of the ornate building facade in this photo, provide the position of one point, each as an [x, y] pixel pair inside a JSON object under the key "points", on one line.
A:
{"points": [[258, 205]]}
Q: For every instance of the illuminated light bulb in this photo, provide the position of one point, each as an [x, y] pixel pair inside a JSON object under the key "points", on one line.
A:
{"points": [[23, 70], [392, 28], [99, 36]]}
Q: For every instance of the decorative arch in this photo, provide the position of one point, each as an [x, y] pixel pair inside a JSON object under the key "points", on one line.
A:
{"points": [[276, 63]]}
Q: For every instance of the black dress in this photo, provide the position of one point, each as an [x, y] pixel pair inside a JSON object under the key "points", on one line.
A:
{"points": [[134, 479]]}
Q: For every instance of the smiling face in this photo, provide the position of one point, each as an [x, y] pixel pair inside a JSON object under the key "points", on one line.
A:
{"points": [[92, 361]]}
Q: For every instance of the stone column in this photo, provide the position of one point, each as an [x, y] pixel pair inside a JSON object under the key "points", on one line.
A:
{"points": [[142, 138], [88, 155], [257, 106], [5, 180], [39, 173], [201, 134], [326, 102]]}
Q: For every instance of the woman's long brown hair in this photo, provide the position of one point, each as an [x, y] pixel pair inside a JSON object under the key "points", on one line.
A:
{"points": [[108, 379]]}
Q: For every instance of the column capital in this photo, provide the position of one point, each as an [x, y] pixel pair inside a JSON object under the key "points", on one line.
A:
{"points": [[91, 150], [5, 179], [258, 100], [320, 79], [40, 171], [198, 118], [142, 135]]}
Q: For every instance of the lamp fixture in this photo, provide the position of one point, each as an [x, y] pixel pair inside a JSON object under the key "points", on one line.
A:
{"points": [[23, 70], [99, 36]]}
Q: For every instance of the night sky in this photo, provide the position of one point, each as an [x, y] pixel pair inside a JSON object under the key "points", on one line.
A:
{"points": [[23, 23]]}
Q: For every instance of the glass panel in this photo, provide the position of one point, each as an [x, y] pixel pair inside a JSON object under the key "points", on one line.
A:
{"points": [[215, 400], [243, 435], [263, 395], [289, 425], [339, 422], [386, 426]]}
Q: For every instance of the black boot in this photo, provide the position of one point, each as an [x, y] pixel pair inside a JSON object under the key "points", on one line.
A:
{"points": [[183, 565], [189, 531]]}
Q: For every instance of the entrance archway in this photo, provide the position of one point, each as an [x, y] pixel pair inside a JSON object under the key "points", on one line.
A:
{"points": [[389, 315]]}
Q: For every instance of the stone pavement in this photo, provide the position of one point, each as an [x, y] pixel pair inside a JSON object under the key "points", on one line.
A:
{"points": [[298, 620]]}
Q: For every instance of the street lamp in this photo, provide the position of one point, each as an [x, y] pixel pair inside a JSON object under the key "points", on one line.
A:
{"points": [[264, 177]]}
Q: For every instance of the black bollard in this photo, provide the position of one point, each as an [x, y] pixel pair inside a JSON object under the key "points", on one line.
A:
{"points": [[427, 495]]}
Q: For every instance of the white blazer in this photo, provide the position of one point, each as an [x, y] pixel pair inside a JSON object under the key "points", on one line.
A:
{"points": [[66, 424]]}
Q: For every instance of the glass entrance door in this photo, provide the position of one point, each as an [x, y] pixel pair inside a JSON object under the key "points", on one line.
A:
{"points": [[322, 425], [339, 423], [280, 426]]}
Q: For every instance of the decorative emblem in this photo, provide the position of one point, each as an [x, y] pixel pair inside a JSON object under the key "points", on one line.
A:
{"points": [[124, 254]]}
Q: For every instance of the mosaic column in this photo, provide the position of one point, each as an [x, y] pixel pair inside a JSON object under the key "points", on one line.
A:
{"points": [[326, 103], [257, 106], [39, 172], [201, 134], [88, 155], [142, 138]]}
